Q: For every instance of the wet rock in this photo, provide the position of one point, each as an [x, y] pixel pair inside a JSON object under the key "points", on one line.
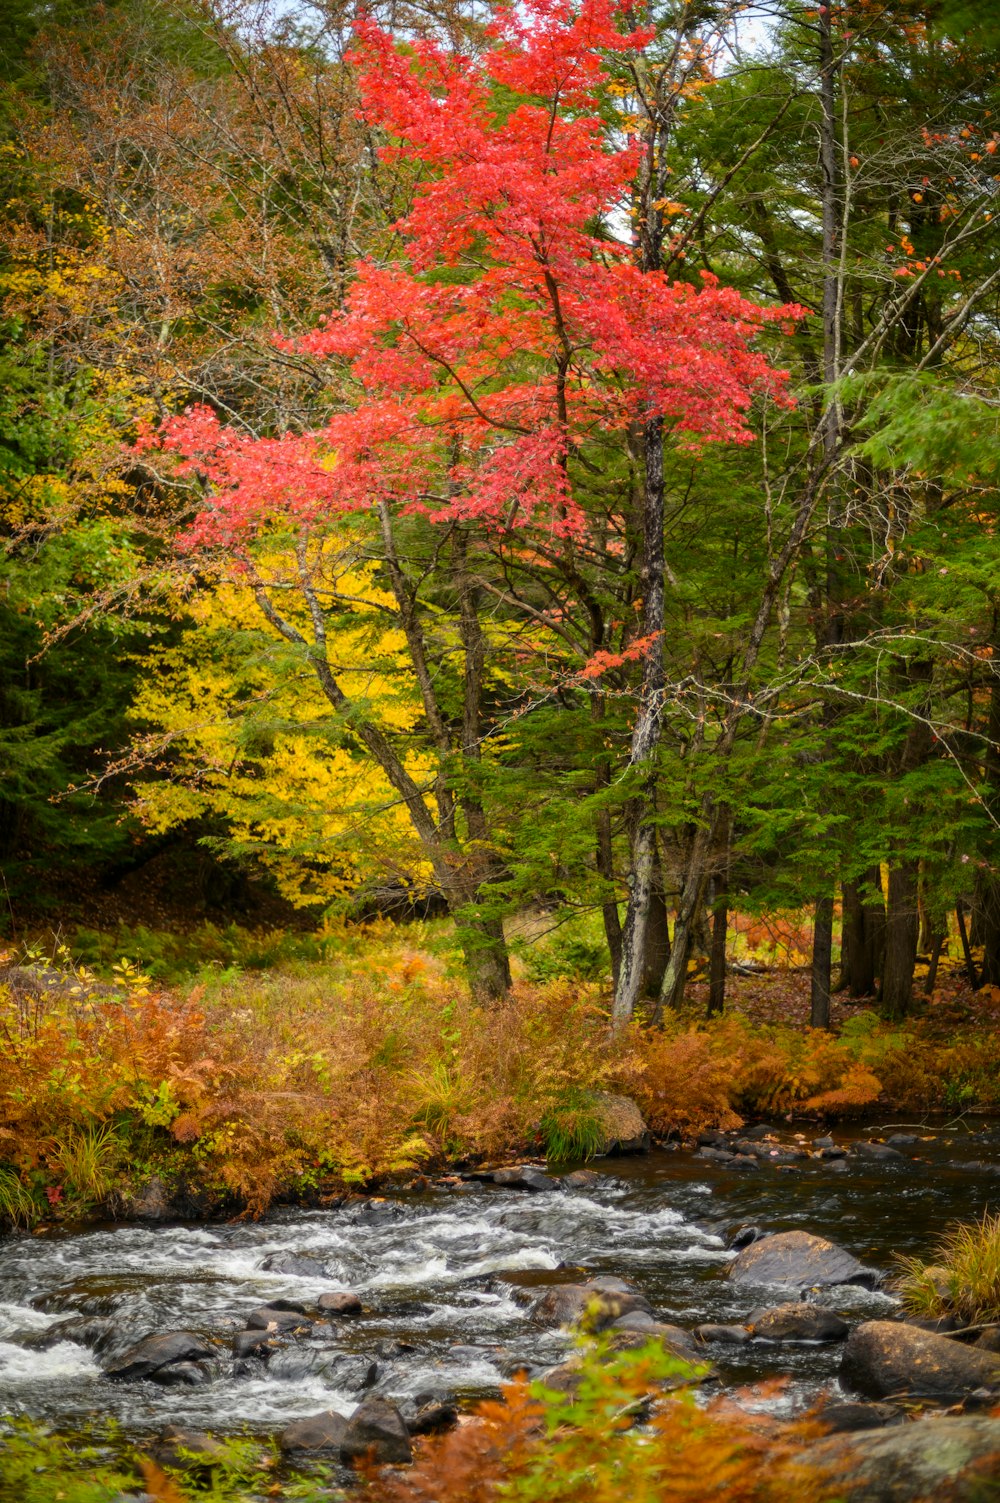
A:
{"points": [[879, 1152], [634, 1320], [744, 1235], [296, 1265], [190, 1451], [253, 1344], [314, 1435], [271, 1318], [593, 1302], [148, 1358], [851, 1416], [431, 1419], [947, 1456], [799, 1260], [340, 1304], [379, 1212], [761, 1130], [798, 1322], [884, 1358], [98, 1332], [183, 1375], [989, 1340], [583, 1179], [713, 1138], [675, 1339], [151, 1202], [292, 1306], [829, 1154], [824, 1142], [376, 1430], [725, 1335], [622, 1124], [720, 1155], [525, 1177], [943, 1325], [902, 1140], [836, 1166], [349, 1371], [742, 1162]]}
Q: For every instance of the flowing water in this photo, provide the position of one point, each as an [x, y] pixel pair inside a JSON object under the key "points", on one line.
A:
{"points": [[446, 1279]]}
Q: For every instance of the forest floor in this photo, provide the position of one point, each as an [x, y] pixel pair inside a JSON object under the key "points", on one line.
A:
{"points": [[228, 1067]]}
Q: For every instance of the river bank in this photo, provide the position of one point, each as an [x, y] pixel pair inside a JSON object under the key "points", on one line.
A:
{"points": [[438, 1295], [120, 1098]]}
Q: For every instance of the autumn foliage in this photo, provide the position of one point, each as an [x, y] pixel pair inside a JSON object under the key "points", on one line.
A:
{"points": [[517, 329]]}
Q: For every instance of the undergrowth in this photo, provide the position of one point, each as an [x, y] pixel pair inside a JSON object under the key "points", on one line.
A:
{"points": [[375, 1062], [962, 1277]]}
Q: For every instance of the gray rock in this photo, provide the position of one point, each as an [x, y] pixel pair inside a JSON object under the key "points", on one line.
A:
{"points": [[902, 1140], [340, 1304], [98, 1332], [151, 1202], [798, 1260], [948, 1456], [296, 1265], [319, 1433], [183, 1375], [880, 1152], [593, 1303], [151, 1356], [253, 1344], [190, 1451], [719, 1155], [270, 1318], [432, 1418], [825, 1142], [376, 1430], [726, 1335], [848, 1416], [350, 1371], [885, 1358], [744, 1235], [798, 1322], [583, 1179], [525, 1177], [989, 1340]]}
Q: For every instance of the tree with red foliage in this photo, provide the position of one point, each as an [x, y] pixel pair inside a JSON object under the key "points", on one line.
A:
{"points": [[483, 370]]}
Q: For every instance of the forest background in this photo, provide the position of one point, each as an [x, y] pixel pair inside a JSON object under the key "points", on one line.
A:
{"points": [[372, 547]]}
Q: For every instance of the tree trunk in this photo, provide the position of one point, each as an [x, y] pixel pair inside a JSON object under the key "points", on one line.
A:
{"points": [[901, 931], [487, 964], [720, 928], [988, 886], [657, 943], [822, 951], [963, 934], [861, 942], [646, 734]]}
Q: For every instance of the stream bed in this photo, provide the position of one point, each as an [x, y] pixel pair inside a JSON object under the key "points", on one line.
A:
{"points": [[446, 1279]]}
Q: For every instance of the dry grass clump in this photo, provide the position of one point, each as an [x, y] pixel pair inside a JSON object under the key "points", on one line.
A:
{"points": [[962, 1278]]}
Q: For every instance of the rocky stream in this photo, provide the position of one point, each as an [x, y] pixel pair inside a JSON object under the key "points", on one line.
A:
{"points": [[400, 1310]]}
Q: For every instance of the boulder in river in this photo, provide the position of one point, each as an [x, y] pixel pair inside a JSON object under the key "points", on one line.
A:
{"points": [[376, 1430], [98, 1332], [253, 1344], [725, 1335], [879, 1152], [269, 1318], [351, 1372], [525, 1177], [622, 1124], [852, 1415], [148, 1358], [296, 1265], [884, 1358], [340, 1304], [190, 1451], [316, 1434], [956, 1457], [797, 1322], [583, 1179], [592, 1303], [798, 1260]]}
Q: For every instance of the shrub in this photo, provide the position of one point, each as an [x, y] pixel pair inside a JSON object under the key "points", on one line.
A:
{"points": [[539, 1446], [962, 1278]]}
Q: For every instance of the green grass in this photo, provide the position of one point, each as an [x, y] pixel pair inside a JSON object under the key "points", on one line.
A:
{"points": [[962, 1278], [17, 1206], [572, 1129], [88, 1160]]}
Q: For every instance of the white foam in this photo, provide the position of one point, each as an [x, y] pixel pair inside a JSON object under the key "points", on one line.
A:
{"points": [[64, 1360]]}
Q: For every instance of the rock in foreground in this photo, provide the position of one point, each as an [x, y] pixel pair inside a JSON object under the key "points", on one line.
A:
{"points": [[376, 1430], [886, 1357], [798, 1260], [954, 1458]]}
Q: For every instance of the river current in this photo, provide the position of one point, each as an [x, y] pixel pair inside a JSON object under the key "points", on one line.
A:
{"points": [[446, 1279]]}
